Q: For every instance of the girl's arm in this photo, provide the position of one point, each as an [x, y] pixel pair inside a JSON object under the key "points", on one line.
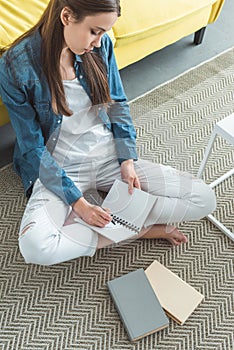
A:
{"points": [[30, 139]]}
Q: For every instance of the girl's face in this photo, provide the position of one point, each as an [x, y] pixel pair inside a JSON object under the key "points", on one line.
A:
{"points": [[83, 36]]}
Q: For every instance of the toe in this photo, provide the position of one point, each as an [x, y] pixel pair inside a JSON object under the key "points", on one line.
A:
{"points": [[177, 237]]}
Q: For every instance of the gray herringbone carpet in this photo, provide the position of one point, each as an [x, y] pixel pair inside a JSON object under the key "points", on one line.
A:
{"points": [[67, 306]]}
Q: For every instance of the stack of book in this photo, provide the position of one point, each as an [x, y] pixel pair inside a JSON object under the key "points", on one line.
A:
{"points": [[144, 299]]}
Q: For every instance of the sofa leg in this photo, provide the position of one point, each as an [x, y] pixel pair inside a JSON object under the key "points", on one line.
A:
{"points": [[198, 36]]}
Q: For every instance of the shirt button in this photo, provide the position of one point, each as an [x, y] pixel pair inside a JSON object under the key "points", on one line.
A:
{"points": [[30, 182], [54, 139], [59, 121], [81, 76]]}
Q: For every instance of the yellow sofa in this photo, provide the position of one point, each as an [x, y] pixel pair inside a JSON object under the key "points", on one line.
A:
{"points": [[144, 27]]}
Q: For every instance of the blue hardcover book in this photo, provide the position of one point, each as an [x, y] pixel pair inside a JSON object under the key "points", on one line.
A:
{"points": [[137, 304]]}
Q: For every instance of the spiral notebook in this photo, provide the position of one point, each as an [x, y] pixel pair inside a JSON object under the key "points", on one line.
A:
{"points": [[129, 212]]}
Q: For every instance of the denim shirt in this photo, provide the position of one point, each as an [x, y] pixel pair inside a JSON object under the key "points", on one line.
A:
{"points": [[25, 93]]}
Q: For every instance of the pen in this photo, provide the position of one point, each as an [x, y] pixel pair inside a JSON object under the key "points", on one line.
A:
{"points": [[113, 222]]}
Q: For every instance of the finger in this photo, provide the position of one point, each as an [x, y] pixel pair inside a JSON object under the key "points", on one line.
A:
{"points": [[107, 210], [130, 187], [101, 222], [104, 213], [98, 221], [137, 183]]}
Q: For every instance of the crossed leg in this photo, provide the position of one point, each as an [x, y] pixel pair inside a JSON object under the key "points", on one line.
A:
{"points": [[180, 197]]}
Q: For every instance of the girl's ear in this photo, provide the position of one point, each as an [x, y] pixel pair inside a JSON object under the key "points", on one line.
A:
{"points": [[65, 16]]}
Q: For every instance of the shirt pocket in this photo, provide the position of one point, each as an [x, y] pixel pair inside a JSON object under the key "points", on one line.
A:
{"points": [[42, 109]]}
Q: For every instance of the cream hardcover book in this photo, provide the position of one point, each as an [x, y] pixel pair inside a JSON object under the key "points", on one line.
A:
{"points": [[178, 298]]}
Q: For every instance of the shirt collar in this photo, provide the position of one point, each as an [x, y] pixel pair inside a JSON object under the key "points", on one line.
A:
{"points": [[78, 58]]}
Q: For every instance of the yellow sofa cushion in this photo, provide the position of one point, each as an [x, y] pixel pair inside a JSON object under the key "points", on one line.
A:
{"points": [[145, 26], [4, 37], [142, 19], [16, 17]]}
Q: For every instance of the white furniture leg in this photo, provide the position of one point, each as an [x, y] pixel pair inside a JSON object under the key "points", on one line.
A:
{"points": [[225, 129], [222, 228], [207, 153]]}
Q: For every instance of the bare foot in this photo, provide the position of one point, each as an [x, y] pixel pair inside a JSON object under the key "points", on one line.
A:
{"points": [[171, 233]]}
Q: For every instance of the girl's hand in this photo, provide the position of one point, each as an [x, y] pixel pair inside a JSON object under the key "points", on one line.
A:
{"points": [[92, 214], [129, 175]]}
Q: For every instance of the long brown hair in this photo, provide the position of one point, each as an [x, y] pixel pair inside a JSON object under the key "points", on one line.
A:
{"points": [[93, 66]]}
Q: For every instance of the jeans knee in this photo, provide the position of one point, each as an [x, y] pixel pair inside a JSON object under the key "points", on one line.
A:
{"points": [[36, 250], [35, 255], [212, 200], [209, 200]]}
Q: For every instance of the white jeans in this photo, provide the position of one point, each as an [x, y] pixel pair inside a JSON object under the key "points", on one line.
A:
{"points": [[45, 240]]}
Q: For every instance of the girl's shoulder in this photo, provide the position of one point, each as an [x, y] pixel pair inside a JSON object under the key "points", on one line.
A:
{"points": [[18, 51], [25, 51], [20, 58]]}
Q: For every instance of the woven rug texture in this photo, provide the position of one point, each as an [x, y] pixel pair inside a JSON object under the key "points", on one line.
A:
{"points": [[67, 306]]}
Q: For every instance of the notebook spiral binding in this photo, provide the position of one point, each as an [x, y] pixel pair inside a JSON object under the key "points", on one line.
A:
{"points": [[126, 224]]}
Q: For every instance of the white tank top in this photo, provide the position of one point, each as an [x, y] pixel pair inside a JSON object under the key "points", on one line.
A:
{"points": [[83, 137]]}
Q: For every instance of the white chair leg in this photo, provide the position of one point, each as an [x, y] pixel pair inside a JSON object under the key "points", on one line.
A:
{"points": [[222, 178], [222, 228], [216, 222], [207, 153]]}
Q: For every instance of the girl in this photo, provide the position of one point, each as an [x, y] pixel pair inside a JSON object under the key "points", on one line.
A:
{"points": [[74, 131]]}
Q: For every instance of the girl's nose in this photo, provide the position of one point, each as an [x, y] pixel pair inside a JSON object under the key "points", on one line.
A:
{"points": [[97, 42]]}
